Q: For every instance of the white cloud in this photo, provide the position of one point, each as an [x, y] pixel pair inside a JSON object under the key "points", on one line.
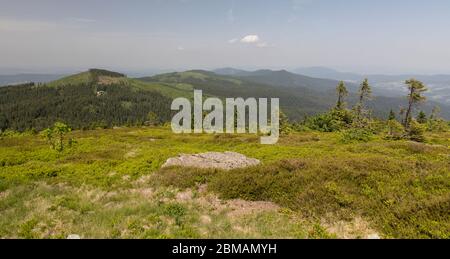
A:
{"points": [[250, 39], [180, 48]]}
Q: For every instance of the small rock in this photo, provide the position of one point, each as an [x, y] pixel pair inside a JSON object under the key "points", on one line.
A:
{"points": [[205, 219], [185, 196], [373, 236], [4, 194], [73, 236]]}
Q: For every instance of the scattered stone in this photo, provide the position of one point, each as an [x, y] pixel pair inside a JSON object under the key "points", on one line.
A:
{"points": [[145, 192], [73, 236], [185, 196], [225, 161], [4, 194], [373, 236], [205, 219], [101, 93], [203, 188]]}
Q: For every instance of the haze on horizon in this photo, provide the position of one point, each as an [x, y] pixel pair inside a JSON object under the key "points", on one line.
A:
{"points": [[384, 36]]}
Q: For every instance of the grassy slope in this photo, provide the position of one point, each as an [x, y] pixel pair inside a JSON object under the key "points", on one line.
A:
{"points": [[171, 90], [109, 185]]}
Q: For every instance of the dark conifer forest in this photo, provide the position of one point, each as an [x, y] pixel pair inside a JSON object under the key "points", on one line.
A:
{"points": [[82, 106]]}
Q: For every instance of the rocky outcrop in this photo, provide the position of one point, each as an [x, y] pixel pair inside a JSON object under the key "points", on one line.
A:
{"points": [[225, 161]]}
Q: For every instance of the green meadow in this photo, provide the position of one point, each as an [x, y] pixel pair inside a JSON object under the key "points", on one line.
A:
{"points": [[109, 184]]}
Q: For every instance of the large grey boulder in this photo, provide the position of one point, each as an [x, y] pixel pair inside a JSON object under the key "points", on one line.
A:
{"points": [[225, 161]]}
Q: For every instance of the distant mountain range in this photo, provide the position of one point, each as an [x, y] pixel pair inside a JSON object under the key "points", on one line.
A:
{"points": [[26, 78], [285, 79], [387, 85]]}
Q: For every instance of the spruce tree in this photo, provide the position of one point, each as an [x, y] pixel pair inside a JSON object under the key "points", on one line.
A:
{"points": [[415, 96], [342, 92], [365, 93], [392, 115], [421, 117]]}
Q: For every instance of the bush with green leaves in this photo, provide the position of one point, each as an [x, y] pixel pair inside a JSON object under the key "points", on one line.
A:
{"points": [[422, 117], [285, 126], [416, 131], [376, 126], [437, 125], [356, 135], [395, 130], [55, 136], [152, 119], [335, 120]]}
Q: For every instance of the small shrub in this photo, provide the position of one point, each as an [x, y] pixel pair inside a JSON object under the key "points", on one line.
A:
{"points": [[356, 135], [55, 136], [26, 230], [330, 122], [437, 126], [152, 119], [9, 133], [176, 211], [395, 130], [377, 126], [319, 232], [416, 131]]}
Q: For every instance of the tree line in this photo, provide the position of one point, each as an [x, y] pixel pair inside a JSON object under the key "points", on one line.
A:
{"points": [[357, 122]]}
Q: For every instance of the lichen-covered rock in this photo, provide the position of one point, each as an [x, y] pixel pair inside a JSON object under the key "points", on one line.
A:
{"points": [[225, 161]]}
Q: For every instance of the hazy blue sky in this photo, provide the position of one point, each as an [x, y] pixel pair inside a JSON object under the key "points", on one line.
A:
{"points": [[385, 36]]}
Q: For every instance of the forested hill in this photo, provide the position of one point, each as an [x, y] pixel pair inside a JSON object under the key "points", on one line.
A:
{"points": [[97, 98]]}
